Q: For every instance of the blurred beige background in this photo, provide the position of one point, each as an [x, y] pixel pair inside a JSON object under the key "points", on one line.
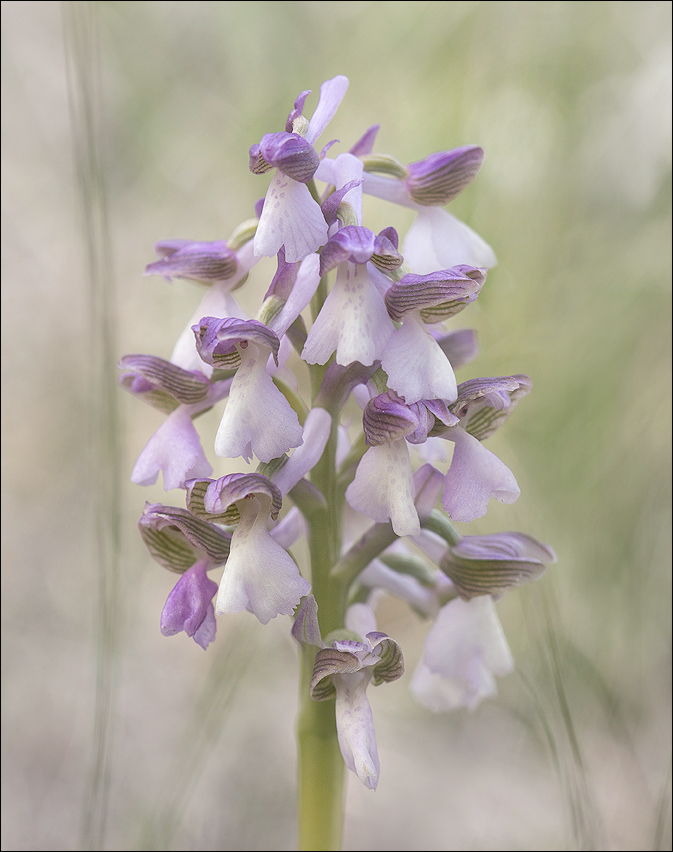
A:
{"points": [[571, 102]]}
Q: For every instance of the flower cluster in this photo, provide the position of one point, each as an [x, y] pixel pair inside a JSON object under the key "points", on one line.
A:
{"points": [[378, 335]]}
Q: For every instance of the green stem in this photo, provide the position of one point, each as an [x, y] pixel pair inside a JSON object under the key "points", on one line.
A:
{"points": [[321, 769], [321, 766]]}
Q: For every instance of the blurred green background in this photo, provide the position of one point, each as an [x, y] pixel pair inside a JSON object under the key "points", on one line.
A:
{"points": [[571, 102]]}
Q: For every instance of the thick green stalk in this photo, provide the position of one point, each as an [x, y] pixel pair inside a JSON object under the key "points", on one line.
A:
{"points": [[321, 767]]}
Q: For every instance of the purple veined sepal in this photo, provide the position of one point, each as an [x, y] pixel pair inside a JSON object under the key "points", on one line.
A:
{"points": [[440, 177], [257, 418], [464, 652], [190, 547], [162, 384], [261, 577], [343, 669], [416, 365], [496, 563], [290, 153], [206, 262], [483, 405], [291, 218]]}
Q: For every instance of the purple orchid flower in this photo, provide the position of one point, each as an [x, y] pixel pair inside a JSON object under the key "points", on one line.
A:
{"points": [[190, 547], [291, 218], [344, 670], [260, 577]]}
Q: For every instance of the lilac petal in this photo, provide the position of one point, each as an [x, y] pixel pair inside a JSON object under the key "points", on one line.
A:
{"points": [[189, 606], [257, 419], [428, 483], [377, 575], [483, 405], [221, 496], [305, 285], [316, 432], [437, 240], [463, 651], [221, 341], [438, 295], [355, 727], [290, 529], [416, 366], [383, 488], [306, 629], [298, 109], [185, 386], [283, 281], [331, 94], [365, 144], [460, 346], [260, 576], [475, 475], [349, 172], [360, 619], [176, 539], [331, 205], [353, 320], [495, 564], [175, 450], [504, 546], [206, 632], [290, 218]]}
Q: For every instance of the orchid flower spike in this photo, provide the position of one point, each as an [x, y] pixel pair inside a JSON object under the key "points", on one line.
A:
{"points": [[261, 577], [291, 218]]}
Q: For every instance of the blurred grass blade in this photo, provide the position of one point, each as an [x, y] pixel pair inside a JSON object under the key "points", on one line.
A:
{"points": [[587, 828], [230, 661], [85, 101]]}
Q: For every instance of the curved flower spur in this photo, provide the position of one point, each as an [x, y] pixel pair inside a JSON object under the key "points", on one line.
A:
{"points": [[376, 331]]}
